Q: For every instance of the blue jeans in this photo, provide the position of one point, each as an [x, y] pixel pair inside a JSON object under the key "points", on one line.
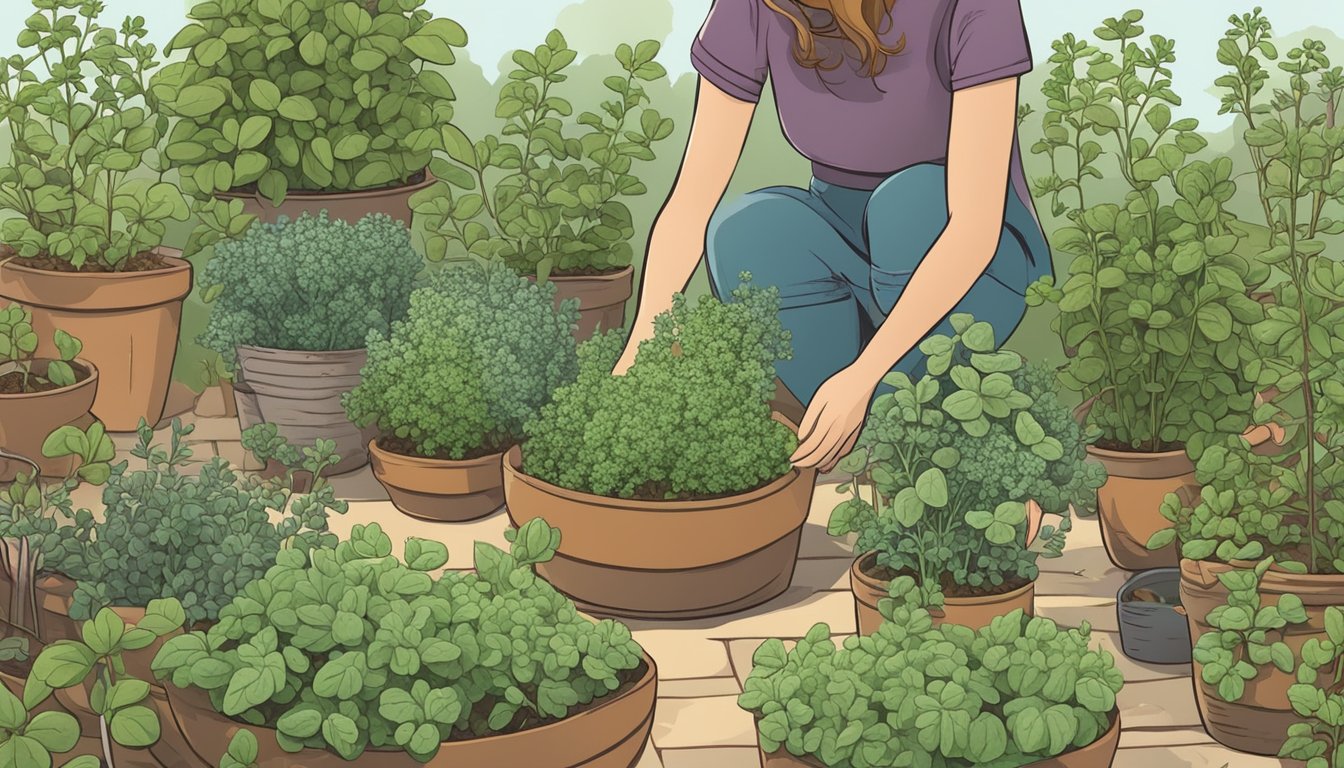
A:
{"points": [[842, 257]]}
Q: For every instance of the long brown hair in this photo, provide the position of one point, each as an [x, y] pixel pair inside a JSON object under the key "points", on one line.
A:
{"points": [[858, 22]]}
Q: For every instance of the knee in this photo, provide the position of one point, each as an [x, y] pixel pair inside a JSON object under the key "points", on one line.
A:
{"points": [[918, 192], [747, 234]]}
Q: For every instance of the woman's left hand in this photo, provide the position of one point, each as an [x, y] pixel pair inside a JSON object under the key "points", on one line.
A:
{"points": [[834, 419]]}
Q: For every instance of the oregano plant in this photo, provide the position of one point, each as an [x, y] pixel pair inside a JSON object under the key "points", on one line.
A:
{"points": [[19, 373]]}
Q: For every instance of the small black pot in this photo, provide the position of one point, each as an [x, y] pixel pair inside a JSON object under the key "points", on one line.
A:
{"points": [[1154, 633]]}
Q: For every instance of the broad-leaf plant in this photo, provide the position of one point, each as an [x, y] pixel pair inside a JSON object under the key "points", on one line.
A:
{"points": [[18, 349]]}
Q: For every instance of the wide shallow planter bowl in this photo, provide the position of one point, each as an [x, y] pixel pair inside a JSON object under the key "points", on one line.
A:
{"points": [[347, 206], [1259, 721], [300, 393], [602, 299], [973, 612], [1098, 754], [26, 420], [612, 734], [1154, 633], [666, 559], [441, 491], [128, 322], [1130, 504]]}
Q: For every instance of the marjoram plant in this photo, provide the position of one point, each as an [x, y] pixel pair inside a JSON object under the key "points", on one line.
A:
{"points": [[307, 95], [313, 284], [18, 346], [85, 175], [539, 196], [481, 350], [1319, 742], [1019, 691], [1156, 304], [350, 648], [691, 418], [953, 474]]}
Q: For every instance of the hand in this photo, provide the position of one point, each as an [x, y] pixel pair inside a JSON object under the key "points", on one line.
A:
{"points": [[834, 419]]}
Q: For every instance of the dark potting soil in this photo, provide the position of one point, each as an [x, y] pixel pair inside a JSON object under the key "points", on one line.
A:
{"points": [[12, 383], [405, 447], [415, 178], [658, 491], [1119, 447], [1145, 595], [950, 588], [586, 272], [147, 261]]}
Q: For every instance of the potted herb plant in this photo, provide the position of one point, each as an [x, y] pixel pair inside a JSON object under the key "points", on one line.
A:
{"points": [[300, 106], [953, 476], [672, 482], [546, 195], [450, 387], [1317, 740], [84, 251], [293, 305], [1019, 692], [39, 395], [389, 661], [1156, 301], [1261, 539]]}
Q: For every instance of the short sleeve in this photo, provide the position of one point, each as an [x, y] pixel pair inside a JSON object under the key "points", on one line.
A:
{"points": [[730, 49], [988, 42]]}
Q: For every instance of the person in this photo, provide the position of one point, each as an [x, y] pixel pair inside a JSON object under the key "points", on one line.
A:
{"points": [[918, 208]]}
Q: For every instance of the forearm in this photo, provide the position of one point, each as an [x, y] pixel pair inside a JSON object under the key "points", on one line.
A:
{"points": [[675, 247]]}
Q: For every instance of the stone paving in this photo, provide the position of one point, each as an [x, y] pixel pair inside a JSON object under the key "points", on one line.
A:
{"points": [[701, 664]]}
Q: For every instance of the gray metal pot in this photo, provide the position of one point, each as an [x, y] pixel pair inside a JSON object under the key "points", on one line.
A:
{"points": [[1154, 633]]}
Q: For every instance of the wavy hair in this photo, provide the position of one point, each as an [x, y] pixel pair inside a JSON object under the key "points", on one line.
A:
{"points": [[858, 22]]}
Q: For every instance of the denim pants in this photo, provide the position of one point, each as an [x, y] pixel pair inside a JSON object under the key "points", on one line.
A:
{"points": [[841, 259]]}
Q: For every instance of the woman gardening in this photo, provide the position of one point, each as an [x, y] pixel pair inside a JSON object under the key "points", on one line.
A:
{"points": [[917, 207]]}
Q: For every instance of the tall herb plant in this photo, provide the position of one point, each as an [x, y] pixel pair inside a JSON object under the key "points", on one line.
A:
{"points": [[1156, 298]]}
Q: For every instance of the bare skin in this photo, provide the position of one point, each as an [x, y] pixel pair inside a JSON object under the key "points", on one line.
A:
{"points": [[978, 157]]}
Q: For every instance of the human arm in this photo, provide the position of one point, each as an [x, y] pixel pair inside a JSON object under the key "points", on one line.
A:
{"points": [[718, 133], [978, 159]]}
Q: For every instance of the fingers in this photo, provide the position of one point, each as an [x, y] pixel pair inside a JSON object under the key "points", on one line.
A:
{"points": [[814, 440], [811, 418], [818, 447], [842, 453]]}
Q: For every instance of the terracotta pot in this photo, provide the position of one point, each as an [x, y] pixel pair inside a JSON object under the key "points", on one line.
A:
{"points": [[666, 559], [349, 206], [1130, 503], [612, 734], [128, 321], [54, 595], [973, 612], [27, 419], [441, 491], [300, 393], [602, 299], [1259, 721], [1098, 754]]}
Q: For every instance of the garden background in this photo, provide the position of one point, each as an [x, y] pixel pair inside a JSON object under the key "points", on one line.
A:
{"points": [[594, 28]]}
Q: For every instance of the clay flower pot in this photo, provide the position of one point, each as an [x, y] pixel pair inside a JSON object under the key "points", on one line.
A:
{"points": [[611, 734], [1129, 504], [27, 418], [666, 559], [1257, 723], [973, 612], [128, 321], [300, 393], [89, 743], [1152, 631], [601, 298], [438, 490], [348, 206], [1098, 754]]}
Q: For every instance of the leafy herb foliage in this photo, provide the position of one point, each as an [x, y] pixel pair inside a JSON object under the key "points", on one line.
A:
{"points": [[18, 345]]}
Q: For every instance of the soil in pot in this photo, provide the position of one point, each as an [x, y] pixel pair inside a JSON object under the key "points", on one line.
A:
{"points": [[666, 559], [602, 298], [1153, 627], [128, 320], [1129, 504], [611, 733], [29, 413], [440, 490], [974, 608], [300, 393], [1098, 754], [1258, 722], [395, 201]]}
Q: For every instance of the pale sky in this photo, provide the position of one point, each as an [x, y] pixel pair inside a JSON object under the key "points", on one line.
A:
{"points": [[497, 27]]}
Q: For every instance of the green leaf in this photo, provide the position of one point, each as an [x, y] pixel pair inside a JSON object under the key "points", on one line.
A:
{"points": [[55, 731], [264, 94], [103, 632], [297, 108], [63, 664], [134, 727], [249, 687], [425, 555], [907, 507], [197, 101], [931, 488], [12, 712], [302, 722], [1028, 430], [434, 42], [254, 130], [68, 346]]}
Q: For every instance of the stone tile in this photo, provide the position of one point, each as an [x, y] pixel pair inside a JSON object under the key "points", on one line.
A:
{"points": [[233, 453], [211, 403], [1159, 704], [823, 574], [1137, 671], [181, 399], [712, 757], [650, 758], [698, 687], [714, 721], [1073, 610], [816, 541], [359, 485], [1105, 583], [791, 614], [1164, 737], [215, 429], [683, 654], [1202, 756]]}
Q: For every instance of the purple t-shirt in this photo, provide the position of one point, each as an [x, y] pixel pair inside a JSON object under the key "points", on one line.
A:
{"points": [[858, 130]]}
